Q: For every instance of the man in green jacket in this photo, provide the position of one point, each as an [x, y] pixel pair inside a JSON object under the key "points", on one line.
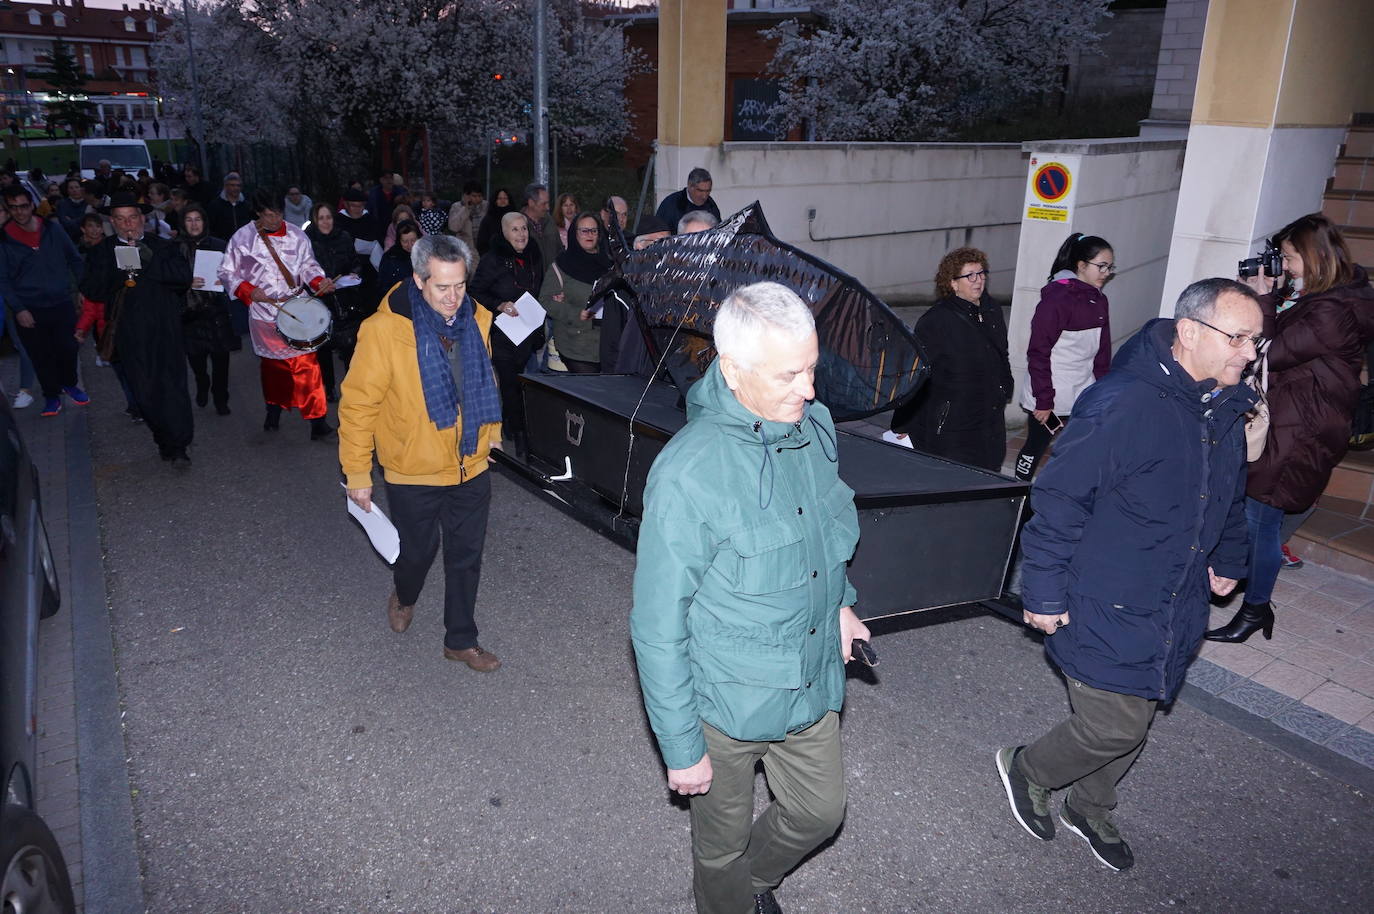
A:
{"points": [[742, 619]]}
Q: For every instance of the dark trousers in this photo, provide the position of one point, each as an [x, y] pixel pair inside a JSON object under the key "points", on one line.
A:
{"points": [[1093, 749], [325, 355], [736, 856], [577, 366], [509, 360], [52, 347], [1038, 440], [458, 514], [215, 381]]}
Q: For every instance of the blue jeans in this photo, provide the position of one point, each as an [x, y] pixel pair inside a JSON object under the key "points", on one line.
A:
{"points": [[1264, 522]]}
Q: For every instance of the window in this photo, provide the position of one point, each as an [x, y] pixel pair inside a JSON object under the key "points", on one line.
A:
{"points": [[138, 58], [35, 17], [87, 61], [59, 20], [129, 24], [152, 26]]}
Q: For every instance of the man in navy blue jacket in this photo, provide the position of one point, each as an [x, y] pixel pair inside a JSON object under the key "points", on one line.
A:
{"points": [[1138, 516]]}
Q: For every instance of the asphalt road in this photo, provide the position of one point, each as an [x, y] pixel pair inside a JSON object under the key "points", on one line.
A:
{"points": [[289, 753]]}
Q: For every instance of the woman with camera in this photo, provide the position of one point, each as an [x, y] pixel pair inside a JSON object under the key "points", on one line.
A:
{"points": [[1318, 324], [1070, 343], [961, 412]]}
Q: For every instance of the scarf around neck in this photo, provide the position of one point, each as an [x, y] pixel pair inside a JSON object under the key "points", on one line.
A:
{"points": [[480, 402]]}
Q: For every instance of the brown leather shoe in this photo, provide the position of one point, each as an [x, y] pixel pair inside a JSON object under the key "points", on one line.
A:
{"points": [[483, 661], [397, 615]]}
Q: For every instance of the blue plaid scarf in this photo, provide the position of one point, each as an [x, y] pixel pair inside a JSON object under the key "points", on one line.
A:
{"points": [[480, 400]]}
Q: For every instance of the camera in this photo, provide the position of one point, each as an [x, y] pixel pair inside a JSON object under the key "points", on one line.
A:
{"points": [[1270, 260]]}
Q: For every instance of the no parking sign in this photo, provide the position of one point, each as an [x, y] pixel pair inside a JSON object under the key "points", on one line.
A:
{"points": [[1050, 188]]}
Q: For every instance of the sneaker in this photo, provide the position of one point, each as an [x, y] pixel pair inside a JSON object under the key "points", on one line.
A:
{"points": [[1289, 559], [52, 406], [77, 395], [23, 399], [1030, 803], [1101, 835]]}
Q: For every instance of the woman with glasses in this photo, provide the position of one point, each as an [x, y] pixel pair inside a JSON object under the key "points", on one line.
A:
{"points": [[961, 411], [567, 287], [1070, 343], [1318, 323]]}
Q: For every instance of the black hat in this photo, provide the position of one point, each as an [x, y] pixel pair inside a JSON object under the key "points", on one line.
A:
{"points": [[124, 198], [650, 225], [354, 195]]}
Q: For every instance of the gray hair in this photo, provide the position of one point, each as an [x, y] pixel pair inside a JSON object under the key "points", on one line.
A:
{"points": [[698, 176], [532, 191], [754, 311], [699, 217], [232, 176], [439, 247], [1198, 302]]}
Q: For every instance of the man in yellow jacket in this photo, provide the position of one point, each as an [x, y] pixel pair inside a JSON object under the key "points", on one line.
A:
{"points": [[420, 391]]}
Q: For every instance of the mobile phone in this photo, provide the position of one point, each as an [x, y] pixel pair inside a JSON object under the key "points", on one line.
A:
{"points": [[1053, 423], [863, 652]]}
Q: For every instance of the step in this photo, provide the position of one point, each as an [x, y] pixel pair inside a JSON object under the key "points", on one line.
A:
{"points": [[1359, 141], [1360, 240], [1349, 207], [1337, 540], [1353, 479], [1351, 173]]}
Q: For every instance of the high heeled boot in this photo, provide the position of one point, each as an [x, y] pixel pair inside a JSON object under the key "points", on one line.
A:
{"points": [[1250, 618]]}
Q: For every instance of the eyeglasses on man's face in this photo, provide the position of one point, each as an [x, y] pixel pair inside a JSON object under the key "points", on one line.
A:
{"points": [[974, 276], [1103, 266], [1237, 340]]}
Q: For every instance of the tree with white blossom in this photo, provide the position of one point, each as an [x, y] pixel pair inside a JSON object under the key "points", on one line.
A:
{"points": [[906, 70]]}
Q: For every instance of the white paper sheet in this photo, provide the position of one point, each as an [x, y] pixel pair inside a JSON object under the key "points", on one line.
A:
{"points": [[379, 529], [904, 441], [375, 258], [530, 318], [207, 268], [363, 247], [351, 279]]}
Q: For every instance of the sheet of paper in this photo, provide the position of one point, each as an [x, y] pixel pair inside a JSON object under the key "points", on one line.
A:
{"points": [[126, 257], [596, 315], [530, 317], [207, 268], [904, 441], [379, 529], [363, 247], [376, 256], [350, 279]]}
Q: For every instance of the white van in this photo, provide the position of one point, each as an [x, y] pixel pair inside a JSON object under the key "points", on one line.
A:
{"points": [[130, 155]]}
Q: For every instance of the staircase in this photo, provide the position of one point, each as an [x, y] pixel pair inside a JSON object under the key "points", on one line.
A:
{"points": [[1341, 532]]}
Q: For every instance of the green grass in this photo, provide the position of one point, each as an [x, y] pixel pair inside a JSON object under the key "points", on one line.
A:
{"points": [[56, 159]]}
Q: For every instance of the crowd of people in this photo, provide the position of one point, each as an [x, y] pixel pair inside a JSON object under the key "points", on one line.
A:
{"points": [[743, 615]]}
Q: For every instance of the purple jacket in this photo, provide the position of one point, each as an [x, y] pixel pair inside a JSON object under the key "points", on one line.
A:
{"points": [[1070, 344]]}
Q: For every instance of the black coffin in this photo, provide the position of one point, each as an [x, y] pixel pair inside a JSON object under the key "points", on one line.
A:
{"points": [[932, 532]]}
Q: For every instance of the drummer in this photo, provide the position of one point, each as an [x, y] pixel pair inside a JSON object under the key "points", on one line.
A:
{"points": [[290, 376]]}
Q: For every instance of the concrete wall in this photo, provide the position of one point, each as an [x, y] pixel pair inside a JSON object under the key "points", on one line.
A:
{"points": [[884, 212], [1180, 49], [1127, 191]]}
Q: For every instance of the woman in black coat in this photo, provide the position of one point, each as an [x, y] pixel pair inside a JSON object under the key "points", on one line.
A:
{"points": [[960, 413], [207, 332], [395, 266], [332, 246], [490, 228], [512, 267]]}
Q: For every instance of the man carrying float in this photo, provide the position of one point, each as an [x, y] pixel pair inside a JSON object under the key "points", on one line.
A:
{"points": [[267, 266]]}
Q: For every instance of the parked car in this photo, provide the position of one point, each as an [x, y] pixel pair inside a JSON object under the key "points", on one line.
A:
{"points": [[33, 873]]}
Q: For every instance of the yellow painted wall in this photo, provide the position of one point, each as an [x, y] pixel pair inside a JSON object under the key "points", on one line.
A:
{"points": [[691, 102], [1286, 63], [1330, 70]]}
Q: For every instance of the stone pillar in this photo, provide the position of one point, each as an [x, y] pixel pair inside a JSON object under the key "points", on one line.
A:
{"points": [[1180, 50], [1277, 84], [691, 90]]}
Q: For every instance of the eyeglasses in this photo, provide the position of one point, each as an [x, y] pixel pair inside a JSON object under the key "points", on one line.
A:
{"points": [[976, 274], [1104, 267], [591, 230], [1237, 340]]}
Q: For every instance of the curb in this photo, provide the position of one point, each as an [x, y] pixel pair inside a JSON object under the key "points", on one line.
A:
{"points": [[110, 861]]}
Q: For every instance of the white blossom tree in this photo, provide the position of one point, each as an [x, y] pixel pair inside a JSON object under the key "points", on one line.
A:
{"points": [[905, 70]]}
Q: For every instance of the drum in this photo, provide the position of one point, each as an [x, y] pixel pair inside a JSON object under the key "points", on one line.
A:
{"points": [[304, 323]]}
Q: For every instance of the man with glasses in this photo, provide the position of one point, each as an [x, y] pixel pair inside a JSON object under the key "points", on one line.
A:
{"points": [[230, 211], [1139, 516], [39, 266], [696, 195]]}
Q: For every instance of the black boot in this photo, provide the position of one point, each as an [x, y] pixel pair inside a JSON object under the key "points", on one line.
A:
{"points": [[273, 420], [321, 430], [1250, 618]]}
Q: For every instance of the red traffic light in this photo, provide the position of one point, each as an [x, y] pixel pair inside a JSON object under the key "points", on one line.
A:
{"points": [[498, 76]]}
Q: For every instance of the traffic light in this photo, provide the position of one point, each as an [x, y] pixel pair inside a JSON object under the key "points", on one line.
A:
{"points": [[498, 76]]}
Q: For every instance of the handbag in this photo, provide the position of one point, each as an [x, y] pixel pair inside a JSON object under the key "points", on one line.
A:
{"points": [[1257, 420]]}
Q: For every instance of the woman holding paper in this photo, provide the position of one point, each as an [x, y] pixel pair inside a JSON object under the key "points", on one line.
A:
{"points": [[333, 248], [207, 334], [512, 268], [567, 288]]}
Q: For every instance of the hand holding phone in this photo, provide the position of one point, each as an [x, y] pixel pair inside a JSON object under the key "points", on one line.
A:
{"points": [[1053, 423]]}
